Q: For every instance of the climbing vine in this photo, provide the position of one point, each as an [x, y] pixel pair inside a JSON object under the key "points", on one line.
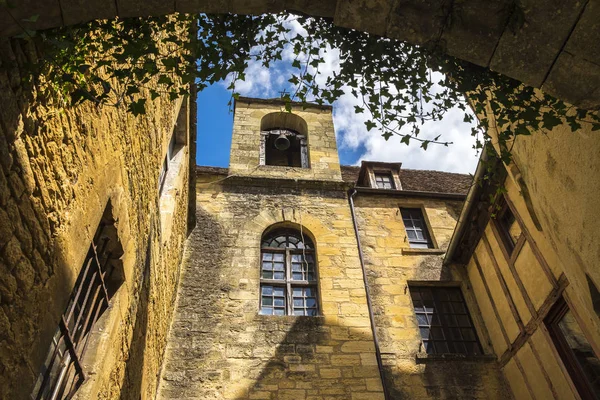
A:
{"points": [[128, 62]]}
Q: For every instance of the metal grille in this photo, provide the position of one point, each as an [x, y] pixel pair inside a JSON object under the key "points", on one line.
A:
{"points": [[63, 373], [416, 229], [444, 322], [384, 180], [288, 275]]}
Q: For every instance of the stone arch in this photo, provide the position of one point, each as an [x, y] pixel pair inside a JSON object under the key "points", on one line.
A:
{"points": [[284, 120]]}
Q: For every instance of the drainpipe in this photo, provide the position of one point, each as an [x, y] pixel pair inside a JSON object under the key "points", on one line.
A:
{"points": [[351, 194]]}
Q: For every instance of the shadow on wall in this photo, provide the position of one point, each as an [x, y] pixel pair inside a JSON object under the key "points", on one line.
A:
{"points": [[134, 366], [194, 356]]}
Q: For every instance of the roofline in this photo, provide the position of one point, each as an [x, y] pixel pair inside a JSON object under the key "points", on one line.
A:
{"points": [[254, 100], [471, 210]]}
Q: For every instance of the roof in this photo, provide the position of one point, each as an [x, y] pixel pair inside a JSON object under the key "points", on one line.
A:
{"points": [[421, 180], [412, 179]]}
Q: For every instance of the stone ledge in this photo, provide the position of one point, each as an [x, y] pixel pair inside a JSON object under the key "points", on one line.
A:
{"points": [[422, 358], [411, 251]]}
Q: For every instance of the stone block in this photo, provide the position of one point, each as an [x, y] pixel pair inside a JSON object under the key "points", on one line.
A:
{"points": [[76, 11], [363, 15], [417, 21], [533, 38]]}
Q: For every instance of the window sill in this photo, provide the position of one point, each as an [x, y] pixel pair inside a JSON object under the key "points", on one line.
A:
{"points": [[415, 251], [423, 358]]}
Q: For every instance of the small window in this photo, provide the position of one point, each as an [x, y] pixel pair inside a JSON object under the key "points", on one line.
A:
{"points": [[509, 228], [416, 229], [384, 180], [444, 321], [285, 148], [575, 350], [288, 278]]}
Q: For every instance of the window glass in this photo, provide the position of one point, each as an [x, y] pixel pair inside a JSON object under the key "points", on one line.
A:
{"points": [[416, 230], [288, 274], [443, 320], [509, 228], [575, 350], [384, 180]]}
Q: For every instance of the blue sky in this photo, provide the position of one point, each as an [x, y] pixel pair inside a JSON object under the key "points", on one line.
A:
{"points": [[355, 143], [215, 124]]}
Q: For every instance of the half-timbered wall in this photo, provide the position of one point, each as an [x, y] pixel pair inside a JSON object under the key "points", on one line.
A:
{"points": [[515, 292]]}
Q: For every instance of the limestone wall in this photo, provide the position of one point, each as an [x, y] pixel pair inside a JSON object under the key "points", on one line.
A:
{"points": [[392, 265], [220, 348], [245, 143], [58, 171]]}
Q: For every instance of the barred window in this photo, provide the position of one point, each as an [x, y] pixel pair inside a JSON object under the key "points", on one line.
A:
{"points": [[288, 278], [444, 321], [100, 277], [416, 229]]}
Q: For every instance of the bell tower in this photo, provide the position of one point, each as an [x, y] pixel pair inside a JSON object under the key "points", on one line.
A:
{"points": [[269, 141]]}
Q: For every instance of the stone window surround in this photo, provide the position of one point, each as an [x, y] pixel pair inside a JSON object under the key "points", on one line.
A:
{"points": [[392, 170], [175, 156]]}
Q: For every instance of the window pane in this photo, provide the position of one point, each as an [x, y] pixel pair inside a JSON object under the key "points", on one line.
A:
{"points": [[443, 322], [582, 350], [416, 230]]}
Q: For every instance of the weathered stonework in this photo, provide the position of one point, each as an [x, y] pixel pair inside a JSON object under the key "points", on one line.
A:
{"points": [[392, 265], [219, 346], [59, 168], [245, 146]]}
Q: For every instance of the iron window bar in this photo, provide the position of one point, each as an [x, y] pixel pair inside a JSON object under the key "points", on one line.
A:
{"points": [[64, 372]]}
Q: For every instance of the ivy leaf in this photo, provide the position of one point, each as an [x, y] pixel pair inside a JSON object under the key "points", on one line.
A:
{"points": [[370, 125]]}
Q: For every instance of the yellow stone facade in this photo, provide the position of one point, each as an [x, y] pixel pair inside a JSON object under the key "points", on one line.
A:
{"points": [[221, 347]]}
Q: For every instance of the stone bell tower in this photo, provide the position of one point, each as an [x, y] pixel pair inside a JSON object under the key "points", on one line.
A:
{"points": [[269, 141]]}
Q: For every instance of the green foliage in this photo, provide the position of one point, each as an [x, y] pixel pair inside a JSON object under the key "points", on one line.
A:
{"points": [[400, 86]]}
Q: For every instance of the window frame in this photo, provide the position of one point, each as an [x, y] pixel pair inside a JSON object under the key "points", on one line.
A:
{"points": [[429, 240], [503, 230], [565, 353], [445, 328], [388, 174], [288, 283]]}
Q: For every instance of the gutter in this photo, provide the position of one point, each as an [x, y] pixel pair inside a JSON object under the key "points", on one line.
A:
{"points": [[467, 207], [411, 193], [351, 194]]}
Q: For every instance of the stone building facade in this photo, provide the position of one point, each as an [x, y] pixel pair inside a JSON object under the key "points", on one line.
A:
{"points": [[302, 279], [365, 338]]}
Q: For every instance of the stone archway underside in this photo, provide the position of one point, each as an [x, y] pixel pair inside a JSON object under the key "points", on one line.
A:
{"points": [[549, 44]]}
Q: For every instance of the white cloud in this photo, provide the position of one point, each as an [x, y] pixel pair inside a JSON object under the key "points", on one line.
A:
{"points": [[351, 132]]}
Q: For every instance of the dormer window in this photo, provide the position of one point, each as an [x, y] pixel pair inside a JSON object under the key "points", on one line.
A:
{"points": [[384, 180]]}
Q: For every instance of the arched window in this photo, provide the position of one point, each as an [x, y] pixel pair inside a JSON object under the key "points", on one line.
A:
{"points": [[288, 275]]}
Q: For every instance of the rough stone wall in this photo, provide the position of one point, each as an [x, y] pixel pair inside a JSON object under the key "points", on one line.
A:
{"points": [[58, 171], [220, 348], [391, 263], [245, 144]]}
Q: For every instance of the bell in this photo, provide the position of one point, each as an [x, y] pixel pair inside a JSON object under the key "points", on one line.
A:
{"points": [[282, 142]]}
